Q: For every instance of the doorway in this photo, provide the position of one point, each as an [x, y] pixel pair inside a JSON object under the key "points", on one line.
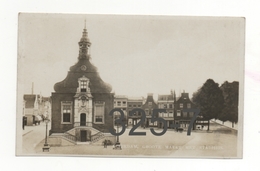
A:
{"points": [[83, 119], [83, 135]]}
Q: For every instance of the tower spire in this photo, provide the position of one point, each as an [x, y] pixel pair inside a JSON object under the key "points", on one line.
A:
{"points": [[84, 45]]}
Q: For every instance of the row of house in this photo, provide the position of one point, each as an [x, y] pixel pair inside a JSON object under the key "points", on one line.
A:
{"points": [[35, 107], [174, 107]]}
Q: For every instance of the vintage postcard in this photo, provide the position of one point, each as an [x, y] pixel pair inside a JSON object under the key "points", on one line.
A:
{"points": [[130, 86]]}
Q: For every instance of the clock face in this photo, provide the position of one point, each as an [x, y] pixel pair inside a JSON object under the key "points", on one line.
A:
{"points": [[83, 68]]}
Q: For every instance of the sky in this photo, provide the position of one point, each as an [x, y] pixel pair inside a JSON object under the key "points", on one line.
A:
{"points": [[136, 55]]}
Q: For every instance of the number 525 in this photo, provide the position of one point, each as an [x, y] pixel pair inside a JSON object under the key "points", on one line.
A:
{"points": [[120, 121]]}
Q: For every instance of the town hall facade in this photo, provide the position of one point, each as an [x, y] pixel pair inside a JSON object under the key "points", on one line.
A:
{"points": [[81, 103]]}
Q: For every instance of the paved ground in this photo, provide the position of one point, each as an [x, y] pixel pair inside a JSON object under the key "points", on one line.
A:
{"points": [[219, 142], [32, 136]]}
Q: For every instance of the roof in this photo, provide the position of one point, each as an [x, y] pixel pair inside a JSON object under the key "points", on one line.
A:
{"points": [[165, 97], [120, 97], [135, 98], [150, 99], [30, 99], [83, 67], [184, 97]]}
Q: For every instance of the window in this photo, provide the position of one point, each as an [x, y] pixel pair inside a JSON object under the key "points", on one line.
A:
{"points": [[165, 115], [170, 106], [66, 117], [66, 108], [191, 114], [129, 105], [83, 86], [154, 123], [181, 105], [165, 106], [134, 105], [171, 114], [124, 103], [98, 119], [118, 103], [139, 106], [188, 105], [160, 114], [185, 114], [178, 113], [99, 112], [150, 103]]}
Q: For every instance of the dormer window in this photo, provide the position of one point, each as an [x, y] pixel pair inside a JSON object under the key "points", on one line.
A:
{"points": [[83, 83], [83, 86]]}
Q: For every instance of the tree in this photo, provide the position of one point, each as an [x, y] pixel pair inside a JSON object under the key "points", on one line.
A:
{"points": [[230, 94], [224, 115], [209, 99]]}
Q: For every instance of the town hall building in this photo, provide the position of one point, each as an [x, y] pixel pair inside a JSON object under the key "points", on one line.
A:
{"points": [[81, 103]]}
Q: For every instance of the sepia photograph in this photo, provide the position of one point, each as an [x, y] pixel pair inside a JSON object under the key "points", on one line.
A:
{"points": [[143, 86]]}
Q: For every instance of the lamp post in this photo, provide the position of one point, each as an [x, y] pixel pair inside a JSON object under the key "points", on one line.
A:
{"points": [[117, 144], [46, 146], [117, 137]]}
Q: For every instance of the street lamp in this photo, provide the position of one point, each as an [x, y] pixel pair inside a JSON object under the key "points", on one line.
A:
{"points": [[46, 146], [117, 137], [117, 144]]}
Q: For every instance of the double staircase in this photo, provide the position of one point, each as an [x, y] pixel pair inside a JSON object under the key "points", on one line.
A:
{"points": [[68, 135]]}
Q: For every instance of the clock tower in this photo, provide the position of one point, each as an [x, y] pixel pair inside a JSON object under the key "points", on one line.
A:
{"points": [[84, 45]]}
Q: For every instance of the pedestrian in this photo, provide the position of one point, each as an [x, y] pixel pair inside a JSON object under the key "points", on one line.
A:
{"points": [[105, 144]]}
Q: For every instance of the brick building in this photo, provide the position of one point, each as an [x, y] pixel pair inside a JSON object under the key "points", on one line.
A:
{"points": [[81, 103], [182, 117], [166, 102], [134, 102], [148, 107]]}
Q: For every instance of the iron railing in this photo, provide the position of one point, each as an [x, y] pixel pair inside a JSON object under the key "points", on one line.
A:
{"points": [[96, 137], [70, 137]]}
